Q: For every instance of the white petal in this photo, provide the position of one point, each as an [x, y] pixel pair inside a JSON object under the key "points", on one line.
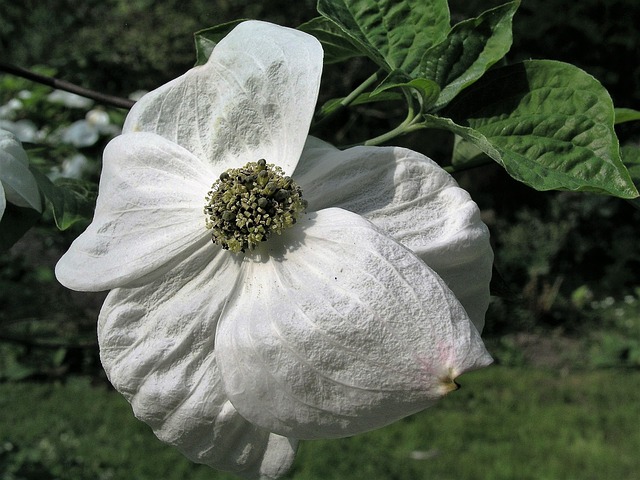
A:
{"points": [[20, 187], [414, 201], [24, 130], [70, 100], [253, 99], [341, 331], [3, 202], [156, 345], [148, 214], [81, 134]]}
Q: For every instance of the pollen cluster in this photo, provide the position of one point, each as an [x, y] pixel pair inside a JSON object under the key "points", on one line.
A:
{"points": [[247, 205]]}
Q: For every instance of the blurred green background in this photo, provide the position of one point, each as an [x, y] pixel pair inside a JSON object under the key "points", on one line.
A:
{"points": [[564, 325]]}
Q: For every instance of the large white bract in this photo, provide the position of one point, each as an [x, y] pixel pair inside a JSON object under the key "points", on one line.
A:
{"points": [[338, 326], [17, 184]]}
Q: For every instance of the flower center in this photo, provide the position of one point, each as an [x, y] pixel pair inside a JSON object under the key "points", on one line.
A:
{"points": [[245, 206]]}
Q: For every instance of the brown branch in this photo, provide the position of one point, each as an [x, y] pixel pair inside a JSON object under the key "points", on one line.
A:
{"points": [[67, 86], [47, 344]]}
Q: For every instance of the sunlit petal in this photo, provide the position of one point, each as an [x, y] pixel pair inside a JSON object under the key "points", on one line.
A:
{"points": [[414, 201], [149, 214], [156, 345], [3, 202], [253, 99], [341, 332]]}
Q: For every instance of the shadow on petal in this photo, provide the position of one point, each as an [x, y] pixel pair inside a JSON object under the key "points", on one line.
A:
{"points": [[279, 247]]}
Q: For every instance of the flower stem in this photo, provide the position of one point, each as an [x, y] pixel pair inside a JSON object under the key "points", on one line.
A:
{"points": [[67, 86]]}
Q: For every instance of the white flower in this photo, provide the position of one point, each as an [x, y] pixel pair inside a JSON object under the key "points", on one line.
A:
{"points": [[84, 133], [7, 111], [24, 130], [98, 118], [18, 186], [137, 95], [334, 327], [70, 100], [25, 94], [80, 134], [77, 166]]}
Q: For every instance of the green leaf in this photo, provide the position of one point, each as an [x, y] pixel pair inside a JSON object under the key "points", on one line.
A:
{"points": [[72, 200], [336, 45], [16, 221], [11, 366], [471, 47], [336, 103], [631, 159], [393, 34], [548, 123], [473, 137], [206, 39], [385, 96], [78, 202], [624, 115], [428, 90], [467, 154]]}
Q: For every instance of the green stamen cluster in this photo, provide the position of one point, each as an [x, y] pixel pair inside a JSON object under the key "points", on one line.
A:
{"points": [[249, 204]]}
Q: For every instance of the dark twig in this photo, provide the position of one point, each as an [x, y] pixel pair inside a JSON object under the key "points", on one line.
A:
{"points": [[69, 87], [47, 344]]}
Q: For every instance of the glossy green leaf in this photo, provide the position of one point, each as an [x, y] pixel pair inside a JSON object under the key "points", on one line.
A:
{"points": [[428, 90], [393, 34], [337, 46], [385, 96], [624, 115], [208, 38], [72, 200], [336, 103], [466, 154], [471, 137], [549, 124], [631, 159], [15, 222], [471, 47]]}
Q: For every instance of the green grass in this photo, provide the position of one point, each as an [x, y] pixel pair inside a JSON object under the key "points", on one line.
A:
{"points": [[504, 423], [77, 432]]}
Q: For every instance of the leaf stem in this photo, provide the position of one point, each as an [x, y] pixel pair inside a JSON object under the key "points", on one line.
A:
{"points": [[401, 129], [409, 124], [469, 166], [412, 123], [67, 86], [348, 100]]}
